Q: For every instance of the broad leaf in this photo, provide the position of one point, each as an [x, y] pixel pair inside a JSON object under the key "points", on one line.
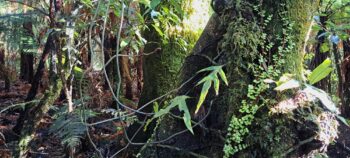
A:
{"points": [[322, 71], [154, 4], [288, 85], [187, 116], [325, 99]]}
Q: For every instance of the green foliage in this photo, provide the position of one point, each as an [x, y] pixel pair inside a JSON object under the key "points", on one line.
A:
{"points": [[319, 73], [322, 71], [243, 39], [208, 80], [180, 102], [69, 127]]}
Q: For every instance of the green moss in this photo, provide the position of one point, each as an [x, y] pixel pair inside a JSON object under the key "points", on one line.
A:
{"points": [[162, 69], [37, 112], [262, 42]]}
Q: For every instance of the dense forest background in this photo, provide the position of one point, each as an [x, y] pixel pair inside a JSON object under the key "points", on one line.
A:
{"points": [[174, 78]]}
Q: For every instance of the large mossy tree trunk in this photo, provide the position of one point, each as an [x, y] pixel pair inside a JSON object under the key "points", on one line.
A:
{"points": [[164, 58], [255, 40]]}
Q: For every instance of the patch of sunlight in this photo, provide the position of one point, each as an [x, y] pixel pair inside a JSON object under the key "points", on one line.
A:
{"points": [[200, 15]]}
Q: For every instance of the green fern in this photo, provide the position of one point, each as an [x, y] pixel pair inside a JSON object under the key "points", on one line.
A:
{"points": [[69, 126]]}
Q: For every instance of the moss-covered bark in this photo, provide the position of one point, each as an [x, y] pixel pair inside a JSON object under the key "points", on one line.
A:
{"points": [[161, 68], [256, 40], [206, 45], [36, 113]]}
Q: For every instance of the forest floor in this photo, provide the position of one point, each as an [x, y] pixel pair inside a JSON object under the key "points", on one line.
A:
{"points": [[47, 145]]}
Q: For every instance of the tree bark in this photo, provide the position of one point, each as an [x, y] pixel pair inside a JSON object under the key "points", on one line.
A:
{"points": [[27, 71], [239, 17], [321, 56], [161, 64], [49, 46], [345, 74]]}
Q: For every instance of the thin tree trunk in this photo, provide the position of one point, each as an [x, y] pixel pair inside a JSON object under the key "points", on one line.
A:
{"points": [[321, 56], [49, 46], [345, 75], [27, 59], [27, 71]]}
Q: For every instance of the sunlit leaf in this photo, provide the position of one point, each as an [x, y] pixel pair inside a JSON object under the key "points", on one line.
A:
{"points": [[216, 86], [211, 68], [322, 71], [325, 99], [203, 94], [223, 76], [206, 78], [288, 85], [160, 32], [155, 107], [124, 43], [324, 48]]}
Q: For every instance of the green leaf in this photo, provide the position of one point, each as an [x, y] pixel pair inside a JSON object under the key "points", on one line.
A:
{"points": [[87, 3], [211, 68], [322, 71], [145, 2], [223, 76], [187, 116], [124, 43], [325, 99], [342, 119], [162, 112], [154, 4], [206, 78], [316, 27], [160, 32], [173, 103], [288, 85], [203, 94], [216, 85], [324, 48], [155, 107]]}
